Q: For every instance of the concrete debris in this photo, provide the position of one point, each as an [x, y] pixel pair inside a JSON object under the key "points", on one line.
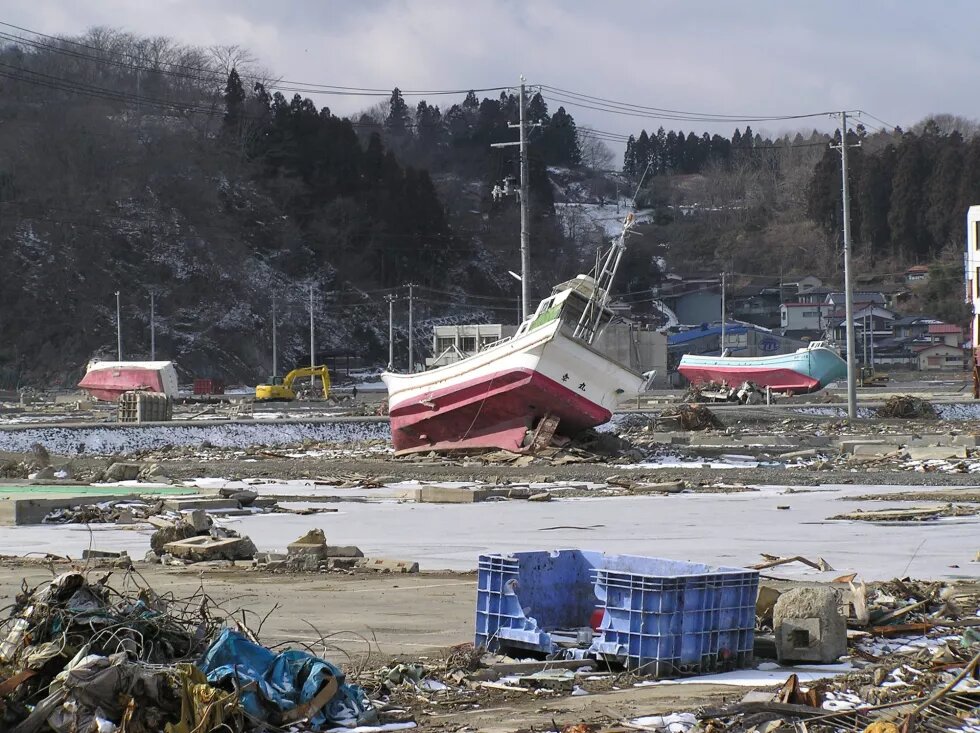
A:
{"points": [[203, 548], [809, 627]]}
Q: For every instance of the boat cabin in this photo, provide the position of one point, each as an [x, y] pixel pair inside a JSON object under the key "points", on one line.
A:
{"points": [[578, 303]]}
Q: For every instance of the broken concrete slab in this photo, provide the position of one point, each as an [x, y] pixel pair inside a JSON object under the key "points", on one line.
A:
{"points": [[352, 551], [313, 543], [465, 494], [184, 504], [198, 549], [935, 452], [198, 520], [123, 471], [384, 565]]}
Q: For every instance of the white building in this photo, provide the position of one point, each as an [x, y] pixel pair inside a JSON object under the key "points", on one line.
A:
{"points": [[804, 316], [452, 343], [973, 271]]}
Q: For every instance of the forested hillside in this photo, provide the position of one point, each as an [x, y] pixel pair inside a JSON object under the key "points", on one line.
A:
{"points": [[145, 166]]}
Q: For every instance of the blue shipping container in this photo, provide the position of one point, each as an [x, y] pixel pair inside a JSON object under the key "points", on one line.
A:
{"points": [[666, 617]]}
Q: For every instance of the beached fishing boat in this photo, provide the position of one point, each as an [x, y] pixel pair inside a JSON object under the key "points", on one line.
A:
{"points": [[547, 376], [106, 380], [805, 370]]}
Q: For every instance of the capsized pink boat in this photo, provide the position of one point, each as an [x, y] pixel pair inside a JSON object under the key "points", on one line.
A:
{"points": [[106, 380], [548, 369]]}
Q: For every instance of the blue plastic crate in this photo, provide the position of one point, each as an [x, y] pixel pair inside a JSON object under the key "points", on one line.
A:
{"points": [[667, 617]]}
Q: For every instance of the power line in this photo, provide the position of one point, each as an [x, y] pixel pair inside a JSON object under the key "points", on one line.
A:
{"points": [[216, 75]]}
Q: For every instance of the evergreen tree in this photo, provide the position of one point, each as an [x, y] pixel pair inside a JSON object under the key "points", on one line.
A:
{"points": [[234, 101], [942, 192], [629, 157], [906, 218], [398, 121], [642, 150], [873, 193], [560, 141]]}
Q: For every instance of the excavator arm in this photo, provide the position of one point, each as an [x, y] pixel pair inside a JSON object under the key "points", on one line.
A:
{"points": [[317, 371]]}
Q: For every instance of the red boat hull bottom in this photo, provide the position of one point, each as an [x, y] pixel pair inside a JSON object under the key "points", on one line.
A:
{"points": [[779, 380], [107, 384], [491, 412]]}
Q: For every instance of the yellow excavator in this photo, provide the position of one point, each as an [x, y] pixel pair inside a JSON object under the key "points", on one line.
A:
{"points": [[280, 389]]}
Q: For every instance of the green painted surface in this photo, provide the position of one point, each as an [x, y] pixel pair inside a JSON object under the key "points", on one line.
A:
{"points": [[17, 491], [547, 317]]}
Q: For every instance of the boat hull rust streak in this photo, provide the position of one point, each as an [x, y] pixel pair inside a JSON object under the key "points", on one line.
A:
{"points": [[491, 399], [805, 370]]}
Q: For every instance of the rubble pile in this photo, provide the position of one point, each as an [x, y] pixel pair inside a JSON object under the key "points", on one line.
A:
{"points": [[748, 393], [690, 417], [907, 407], [84, 656]]}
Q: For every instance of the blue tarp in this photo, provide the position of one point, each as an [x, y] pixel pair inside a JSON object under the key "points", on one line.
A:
{"points": [[282, 681]]}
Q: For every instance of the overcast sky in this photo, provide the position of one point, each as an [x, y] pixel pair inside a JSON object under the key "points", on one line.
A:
{"points": [[899, 60]]}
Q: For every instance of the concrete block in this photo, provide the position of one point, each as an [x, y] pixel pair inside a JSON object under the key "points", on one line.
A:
{"points": [[935, 452], [466, 495], [33, 511], [123, 472], [873, 449], [969, 441], [809, 626], [382, 565], [198, 519], [351, 551], [183, 504], [198, 549], [848, 445], [313, 544], [103, 555]]}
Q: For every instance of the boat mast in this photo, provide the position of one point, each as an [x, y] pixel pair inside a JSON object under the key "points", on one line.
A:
{"points": [[588, 325]]}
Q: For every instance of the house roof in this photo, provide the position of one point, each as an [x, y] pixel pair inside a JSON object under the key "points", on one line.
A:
{"points": [[917, 268], [803, 305], [918, 349], [863, 296], [913, 320], [944, 328]]}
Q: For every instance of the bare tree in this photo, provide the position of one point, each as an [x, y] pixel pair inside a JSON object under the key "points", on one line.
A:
{"points": [[596, 155]]}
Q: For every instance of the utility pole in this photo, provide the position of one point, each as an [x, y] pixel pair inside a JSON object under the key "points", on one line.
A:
{"points": [[153, 337], [118, 330], [411, 331], [848, 292], [391, 331], [722, 350], [312, 349], [523, 196], [275, 368], [525, 202]]}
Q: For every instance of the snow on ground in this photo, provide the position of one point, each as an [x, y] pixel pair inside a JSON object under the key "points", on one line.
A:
{"points": [[955, 411], [766, 675], [102, 440], [720, 529]]}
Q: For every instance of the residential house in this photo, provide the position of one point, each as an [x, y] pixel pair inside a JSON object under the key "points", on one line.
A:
{"points": [[916, 274], [804, 320], [837, 298], [872, 323], [807, 284], [946, 333], [758, 304], [912, 327], [939, 355], [814, 295], [694, 299]]}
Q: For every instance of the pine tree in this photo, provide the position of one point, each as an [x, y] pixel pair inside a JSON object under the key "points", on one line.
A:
{"points": [[906, 218], [560, 140], [642, 151], [942, 192], [398, 121], [629, 157], [234, 101]]}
